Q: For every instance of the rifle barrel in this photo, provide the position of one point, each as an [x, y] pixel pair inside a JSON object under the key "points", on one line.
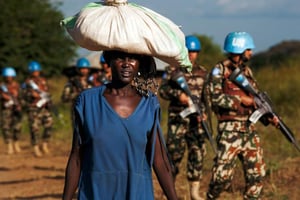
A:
{"points": [[211, 140], [288, 134]]}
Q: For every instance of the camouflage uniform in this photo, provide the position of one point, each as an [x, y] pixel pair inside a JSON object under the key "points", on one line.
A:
{"points": [[187, 131], [98, 78], [38, 108], [73, 87], [237, 137], [11, 113]]}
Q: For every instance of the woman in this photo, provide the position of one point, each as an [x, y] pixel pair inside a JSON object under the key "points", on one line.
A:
{"points": [[117, 136]]}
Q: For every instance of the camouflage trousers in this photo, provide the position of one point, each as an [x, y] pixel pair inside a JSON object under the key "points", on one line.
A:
{"points": [[37, 118], [184, 133], [238, 140], [11, 125]]}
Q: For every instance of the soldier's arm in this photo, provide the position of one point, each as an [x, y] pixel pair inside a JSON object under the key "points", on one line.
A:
{"points": [[167, 91], [219, 98], [5, 96]]}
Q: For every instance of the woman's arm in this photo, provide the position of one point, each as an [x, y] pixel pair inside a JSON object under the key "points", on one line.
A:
{"points": [[72, 170], [163, 170]]}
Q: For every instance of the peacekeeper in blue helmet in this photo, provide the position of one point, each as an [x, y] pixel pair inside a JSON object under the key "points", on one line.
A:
{"points": [[11, 110], [78, 80], [38, 104], [103, 76], [237, 137], [186, 132]]}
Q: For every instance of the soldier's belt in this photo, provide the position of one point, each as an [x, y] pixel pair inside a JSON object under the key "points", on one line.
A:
{"points": [[240, 126]]}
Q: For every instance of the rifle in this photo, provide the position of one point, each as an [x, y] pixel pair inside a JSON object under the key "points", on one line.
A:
{"points": [[45, 98], [13, 101], [263, 103], [179, 78]]}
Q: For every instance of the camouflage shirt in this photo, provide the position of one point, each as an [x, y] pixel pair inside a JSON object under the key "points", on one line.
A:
{"points": [[226, 95], [74, 87], [36, 92], [170, 90], [10, 95]]}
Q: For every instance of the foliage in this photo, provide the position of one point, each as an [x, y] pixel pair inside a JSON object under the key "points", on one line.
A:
{"points": [[277, 55], [30, 30], [282, 85], [210, 53]]}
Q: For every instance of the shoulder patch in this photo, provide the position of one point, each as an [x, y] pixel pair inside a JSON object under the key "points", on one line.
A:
{"points": [[216, 72]]}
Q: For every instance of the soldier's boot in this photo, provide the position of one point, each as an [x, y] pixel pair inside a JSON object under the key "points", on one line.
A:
{"points": [[17, 147], [10, 148], [37, 152], [194, 190], [45, 148]]}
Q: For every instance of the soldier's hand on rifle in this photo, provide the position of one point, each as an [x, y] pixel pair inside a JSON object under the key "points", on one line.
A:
{"points": [[5, 96], [247, 100], [202, 117], [35, 94], [274, 121], [184, 99]]}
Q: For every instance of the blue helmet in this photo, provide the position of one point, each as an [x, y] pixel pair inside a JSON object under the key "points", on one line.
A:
{"points": [[238, 42], [9, 71], [102, 60], [192, 43], [34, 66], [82, 63]]}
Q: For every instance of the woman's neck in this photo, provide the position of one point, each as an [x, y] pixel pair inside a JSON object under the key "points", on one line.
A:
{"points": [[125, 90]]}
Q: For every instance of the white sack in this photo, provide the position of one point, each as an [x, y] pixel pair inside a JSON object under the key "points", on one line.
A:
{"points": [[118, 25]]}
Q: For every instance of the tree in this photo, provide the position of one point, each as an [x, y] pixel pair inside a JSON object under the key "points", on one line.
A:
{"points": [[211, 53], [30, 30]]}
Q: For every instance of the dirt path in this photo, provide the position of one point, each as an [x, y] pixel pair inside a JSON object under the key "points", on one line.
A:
{"points": [[22, 176]]}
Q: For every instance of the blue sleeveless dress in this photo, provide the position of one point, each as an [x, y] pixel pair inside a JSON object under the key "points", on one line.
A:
{"points": [[115, 165]]}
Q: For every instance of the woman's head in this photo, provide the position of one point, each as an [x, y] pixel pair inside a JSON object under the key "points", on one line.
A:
{"points": [[136, 69], [146, 63]]}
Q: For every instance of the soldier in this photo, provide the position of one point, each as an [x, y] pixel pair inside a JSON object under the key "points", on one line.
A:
{"points": [[103, 76], [186, 131], [106, 68], [11, 110], [78, 80], [38, 103], [237, 136]]}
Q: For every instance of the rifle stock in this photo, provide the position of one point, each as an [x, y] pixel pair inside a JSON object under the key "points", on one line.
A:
{"points": [[179, 78]]}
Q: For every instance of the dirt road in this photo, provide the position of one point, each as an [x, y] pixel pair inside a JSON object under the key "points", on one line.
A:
{"points": [[22, 176]]}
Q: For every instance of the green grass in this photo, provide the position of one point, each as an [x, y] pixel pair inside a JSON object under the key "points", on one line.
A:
{"points": [[283, 86]]}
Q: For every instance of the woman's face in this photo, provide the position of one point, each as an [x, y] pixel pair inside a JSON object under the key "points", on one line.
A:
{"points": [[124, 66]]}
